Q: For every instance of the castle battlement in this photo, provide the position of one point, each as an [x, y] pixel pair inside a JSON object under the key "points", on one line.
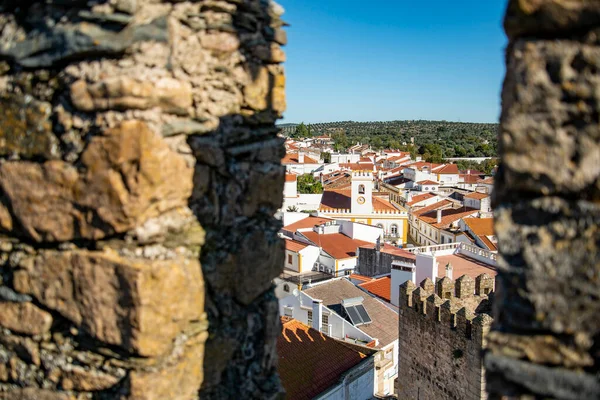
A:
{"points": [[462, 305]]}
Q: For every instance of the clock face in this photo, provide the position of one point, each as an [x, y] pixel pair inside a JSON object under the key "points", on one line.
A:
{"points": [[361, 200]]}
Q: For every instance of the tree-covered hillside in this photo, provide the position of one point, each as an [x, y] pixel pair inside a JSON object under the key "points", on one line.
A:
{"points": [[455, 139]]}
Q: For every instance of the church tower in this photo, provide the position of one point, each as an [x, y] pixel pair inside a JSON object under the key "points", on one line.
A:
{"points": [[362, 192]]}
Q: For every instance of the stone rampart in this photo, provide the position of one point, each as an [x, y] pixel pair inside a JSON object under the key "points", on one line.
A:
{"points": [[442, 331], [139, 175]]}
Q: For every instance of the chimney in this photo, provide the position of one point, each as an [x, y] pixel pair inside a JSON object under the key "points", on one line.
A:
{"points": [[439, 216], [317, 314], [301, 157], [468, 172], [449, 270]]}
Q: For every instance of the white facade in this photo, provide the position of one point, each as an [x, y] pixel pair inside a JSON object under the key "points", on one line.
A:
{"points": [[483, 205], [300, 307], [303, 260], [357, 383], [362, 193], [303, 202], [345, 158], [448, 179]]}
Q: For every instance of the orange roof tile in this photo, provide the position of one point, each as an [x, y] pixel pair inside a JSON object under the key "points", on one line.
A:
{"points": [[337, 245], [290, 178], [469, 178], [427, 182], [379, 287], [423, 197], [449, 215], [294, 245], [481, 226], [292, 158], [487, 181], [448, 169], [357, 166], [309, 361], [489, 244], [308, 222], [476, 195], [463, 265], [360, 277]]}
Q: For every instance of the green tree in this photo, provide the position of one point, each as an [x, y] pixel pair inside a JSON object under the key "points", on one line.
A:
{"points": [[307, 184], [292, 209], [301, 131], [326, 157]]}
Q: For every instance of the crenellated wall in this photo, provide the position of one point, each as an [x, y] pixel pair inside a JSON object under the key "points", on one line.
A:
{"points": [[442, 331], [546, 332], [139, 175]]}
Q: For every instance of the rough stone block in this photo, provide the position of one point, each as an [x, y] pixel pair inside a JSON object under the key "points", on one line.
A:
{"points": [[24, 318], [555, 17], [26, 129], [122, 93], [130, 175], [549, 132], [140, 305]]}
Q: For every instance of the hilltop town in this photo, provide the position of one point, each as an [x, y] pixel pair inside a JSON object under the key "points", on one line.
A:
{"points": [[389, 268]]}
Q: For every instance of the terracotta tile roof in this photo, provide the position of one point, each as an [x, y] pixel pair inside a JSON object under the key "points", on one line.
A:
{"points": [[420, 198], [487, 181], [488, 243], [427, 182], [484, 229], [294, 245], [379, 287], [337, 245], [341, 199], [357, 166], [463, 265], [448, 169], [292, 158], [471, 172], [307, 222], [440, 204], [481, 226], [420, 164], [360, 277], [311, 362], [449, 215], [469, 178], [385, 321], [365, 160], [290, 178], [477, 195]]}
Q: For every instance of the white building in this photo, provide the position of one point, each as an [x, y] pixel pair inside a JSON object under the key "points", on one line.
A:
{"points": [[299, 163], [346, 313], [359, 204], [478, 201], [435, 262]]}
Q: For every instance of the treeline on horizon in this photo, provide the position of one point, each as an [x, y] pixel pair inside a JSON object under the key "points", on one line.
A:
{"points": [[435, 140]]}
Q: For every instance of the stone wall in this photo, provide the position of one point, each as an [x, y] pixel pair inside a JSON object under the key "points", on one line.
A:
{"points": [[373, 263], [139, 174], [441, 335], [545, 342]]}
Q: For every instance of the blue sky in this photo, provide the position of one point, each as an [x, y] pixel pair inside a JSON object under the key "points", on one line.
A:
{"points": [[394, 60]]}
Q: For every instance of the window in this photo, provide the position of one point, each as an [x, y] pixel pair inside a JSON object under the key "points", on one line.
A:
{"points": [[325, 319], [309, 318], [361, 189], [286, 288], [394, 230], [288, 311], [289, 259]]}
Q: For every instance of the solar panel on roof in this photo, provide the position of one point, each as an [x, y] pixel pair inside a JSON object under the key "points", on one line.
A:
{"points": [[364, 316], [354, 316]]}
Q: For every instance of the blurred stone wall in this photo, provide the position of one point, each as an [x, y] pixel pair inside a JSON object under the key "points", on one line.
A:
{"points": [[546, 338], [139, 174]]}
